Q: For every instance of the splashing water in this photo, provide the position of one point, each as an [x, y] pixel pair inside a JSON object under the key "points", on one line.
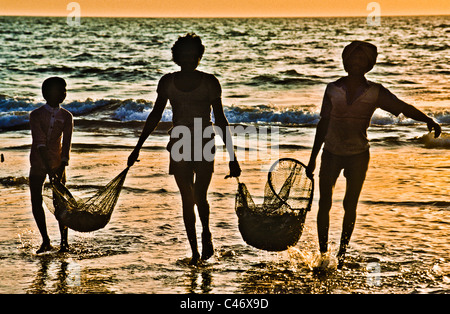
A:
{"points": [[313, 260], [429, 141]]}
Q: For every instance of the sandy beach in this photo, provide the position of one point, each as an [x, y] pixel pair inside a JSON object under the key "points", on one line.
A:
{"points": [[399, 245]]}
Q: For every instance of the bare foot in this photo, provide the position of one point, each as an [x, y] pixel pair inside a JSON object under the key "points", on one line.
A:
{"points": [[208, 249], [64, 247], [341, 257], [45, 246], [194, 260]]}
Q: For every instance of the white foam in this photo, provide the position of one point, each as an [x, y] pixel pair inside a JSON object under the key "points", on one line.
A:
{"points": [[443, 141], [313, 260]]}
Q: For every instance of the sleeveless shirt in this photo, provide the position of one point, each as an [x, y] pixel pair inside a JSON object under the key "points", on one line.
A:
{"points": [[191, 108], [186, 106]]}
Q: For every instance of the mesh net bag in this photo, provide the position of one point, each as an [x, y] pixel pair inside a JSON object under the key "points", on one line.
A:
{"points": [[277, 224], [85, 215]]}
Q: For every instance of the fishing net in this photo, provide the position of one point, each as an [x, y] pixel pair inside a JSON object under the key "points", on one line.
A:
{"points": [[277, 224], [85, 215]]}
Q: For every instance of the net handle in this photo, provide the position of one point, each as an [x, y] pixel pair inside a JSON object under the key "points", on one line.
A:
{"points": [[276, 193]]}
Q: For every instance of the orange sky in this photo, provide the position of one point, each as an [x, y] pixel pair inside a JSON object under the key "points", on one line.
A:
{"points": [[223, 8]]}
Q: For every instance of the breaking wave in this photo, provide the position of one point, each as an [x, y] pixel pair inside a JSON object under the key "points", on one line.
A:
{"points": [[14, 113]]}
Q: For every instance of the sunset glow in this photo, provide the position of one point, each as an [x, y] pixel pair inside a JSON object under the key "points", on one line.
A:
{"points": [[228, 8]]}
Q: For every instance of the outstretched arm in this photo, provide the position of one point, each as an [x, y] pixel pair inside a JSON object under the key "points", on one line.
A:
{"points": [[222, 123], [414, 113], [150, 124], [321, 132]]}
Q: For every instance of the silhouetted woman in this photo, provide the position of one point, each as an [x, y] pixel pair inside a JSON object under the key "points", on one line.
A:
{"points": [[192, 95]]}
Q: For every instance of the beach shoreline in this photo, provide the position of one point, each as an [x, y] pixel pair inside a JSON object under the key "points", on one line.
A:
{"points": [[144, 249]]}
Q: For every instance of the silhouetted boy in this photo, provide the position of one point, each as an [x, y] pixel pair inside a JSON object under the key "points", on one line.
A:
{"points": [[51, 130], [347, 108]]}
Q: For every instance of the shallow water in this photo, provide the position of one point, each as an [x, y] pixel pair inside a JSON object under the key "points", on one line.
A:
{"points": [[400, 243]]}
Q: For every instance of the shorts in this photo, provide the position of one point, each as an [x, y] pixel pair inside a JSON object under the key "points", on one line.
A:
{"points": [[37, 171], [354, 166], [189, 163], [190, 166], [42, 173]]}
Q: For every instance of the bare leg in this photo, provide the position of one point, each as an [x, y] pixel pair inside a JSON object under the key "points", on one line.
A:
{"points": [[64, 245], [202, 182], [329, 172], [186, 186], [326, 188], [36, 184], [356, 174], [352, 193]]}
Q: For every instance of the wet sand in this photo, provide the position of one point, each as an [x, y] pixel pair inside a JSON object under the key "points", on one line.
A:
{"points": [[400, 243]]}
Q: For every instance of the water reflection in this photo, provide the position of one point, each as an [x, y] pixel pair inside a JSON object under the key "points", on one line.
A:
{"points": [[199, 280], [62, 275], [275, 278]]}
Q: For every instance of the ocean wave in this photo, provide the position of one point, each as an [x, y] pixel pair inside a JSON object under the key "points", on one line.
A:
{"points": [[127, 72], [14, 113], [282, 80], [134, 111], [17, 104], [438, 204], [443, 141], [236, 33], [271, 115], [429, 47], [15, 120]]}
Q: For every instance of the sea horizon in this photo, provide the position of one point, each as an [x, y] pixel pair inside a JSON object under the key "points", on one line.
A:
{"points": [[225, 17]]}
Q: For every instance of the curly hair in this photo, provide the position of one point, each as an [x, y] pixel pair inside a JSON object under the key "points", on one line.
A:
{"points": [[189, 40]]}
